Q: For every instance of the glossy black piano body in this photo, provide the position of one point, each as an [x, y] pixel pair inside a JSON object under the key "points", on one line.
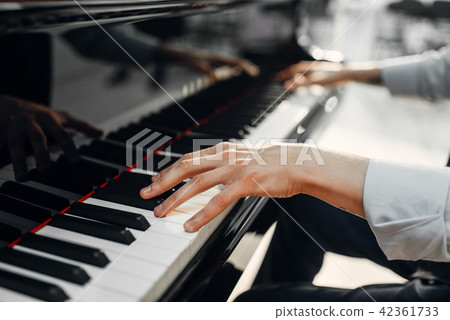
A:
{"points": [[45, 59]]}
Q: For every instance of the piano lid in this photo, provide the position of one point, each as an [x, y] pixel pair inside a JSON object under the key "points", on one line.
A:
{"points": [[38, 15]]}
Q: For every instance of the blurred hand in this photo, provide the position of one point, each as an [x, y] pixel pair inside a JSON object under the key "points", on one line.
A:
{"points": [[206, 63], [24, 121], [330, 74], [243, 172]]}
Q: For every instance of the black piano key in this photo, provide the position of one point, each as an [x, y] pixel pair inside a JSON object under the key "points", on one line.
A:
{"points": [[110, 156], [50, 267], [9, 233], [23, 209], [73, 173], [125, 190], [32, 287], [72, 251], [52, 179], [108, 215], [186, 145], [171, 132], [34, 196], [123, 134], [90, 167], [119, 136], [24, 225], [93, 228], [224, 133], [134, 201], [154, 163]]}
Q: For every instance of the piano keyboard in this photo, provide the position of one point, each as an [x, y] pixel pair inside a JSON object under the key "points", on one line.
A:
{"points": [[82, 233]]}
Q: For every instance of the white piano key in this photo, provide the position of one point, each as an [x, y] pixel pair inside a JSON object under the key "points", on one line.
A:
{"points": [[136, 233], [164, 241], [177, 217], [188, 207], [7, 174], [138, 267], [98, 294], [200, 199], [130, 285], [211, 192], [12, 296], [170, 228], [142, 252], [288, 113], [152, 253]]}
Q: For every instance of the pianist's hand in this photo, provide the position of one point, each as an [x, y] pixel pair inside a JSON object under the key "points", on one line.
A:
{"points": [[253, 173], [329, 74], [206, 63], [22, 121], [275, 171]]}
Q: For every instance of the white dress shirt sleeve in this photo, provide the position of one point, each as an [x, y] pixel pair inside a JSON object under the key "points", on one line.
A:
{"points": [[408, 209], [426, 75]]}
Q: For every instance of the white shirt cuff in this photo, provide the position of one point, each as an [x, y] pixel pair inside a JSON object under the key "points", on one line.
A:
{"points": [[407, 209], [402, 79]]}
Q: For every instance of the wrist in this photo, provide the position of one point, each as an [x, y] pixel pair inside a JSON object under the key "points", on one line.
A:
{"points": [[338, 179], [304, 168], [364, 72]]}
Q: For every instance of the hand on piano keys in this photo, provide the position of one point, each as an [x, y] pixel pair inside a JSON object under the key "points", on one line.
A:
{"points": [[80, 232], [24, 121], [241, 170], [275, 171], [329, 74]]}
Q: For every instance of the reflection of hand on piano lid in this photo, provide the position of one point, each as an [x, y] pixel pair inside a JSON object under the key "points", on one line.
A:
{"points": [[24, 121], [206, 63], [108, 43]]}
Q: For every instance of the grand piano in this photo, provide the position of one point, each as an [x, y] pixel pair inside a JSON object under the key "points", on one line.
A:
{"points": [[80, 232]]}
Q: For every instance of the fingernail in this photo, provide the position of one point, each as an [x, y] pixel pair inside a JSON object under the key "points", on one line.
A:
{"points": [[147, 191], [188, 225], [158, 208]]}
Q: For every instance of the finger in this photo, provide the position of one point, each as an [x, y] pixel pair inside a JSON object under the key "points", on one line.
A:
{"points": [[201, 66], [63, 138], [214, 207], [296, 82], [248, 67], [38, 142], [192, 188], [320, 78], [82, 126], [17, 150], [198, 154], [291, 71], [183, 170]]}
